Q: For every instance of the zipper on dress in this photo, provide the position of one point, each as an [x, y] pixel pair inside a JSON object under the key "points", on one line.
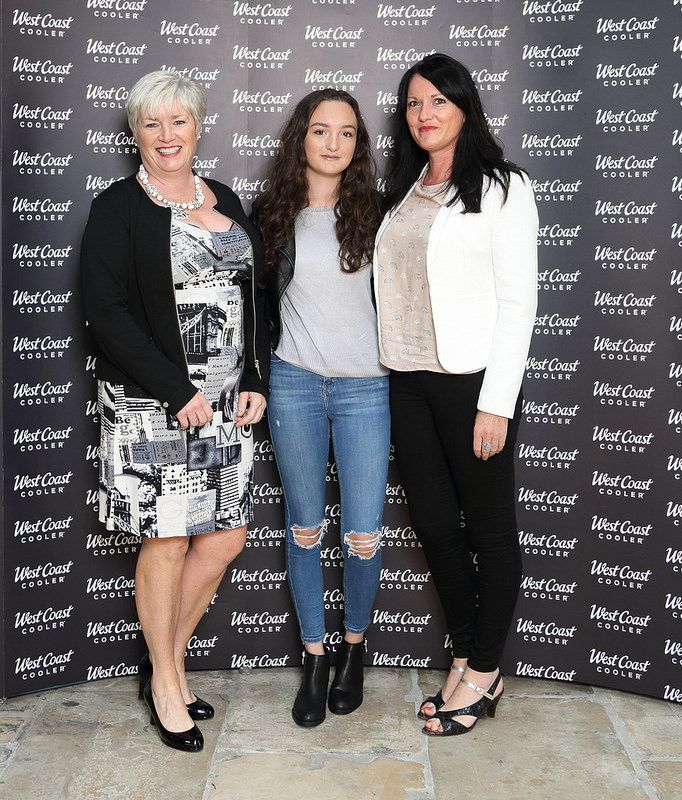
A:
{"points": [[253, 304]]}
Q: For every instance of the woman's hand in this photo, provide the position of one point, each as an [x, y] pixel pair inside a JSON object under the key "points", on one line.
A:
{"points": [[489, 428], [250, 408], [196, 413]]}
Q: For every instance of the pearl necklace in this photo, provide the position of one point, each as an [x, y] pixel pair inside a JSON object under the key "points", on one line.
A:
{"points": [[178, 210]]}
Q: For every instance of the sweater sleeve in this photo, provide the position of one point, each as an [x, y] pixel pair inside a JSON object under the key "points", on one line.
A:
{"points": [[105, 275], [514, 254]]}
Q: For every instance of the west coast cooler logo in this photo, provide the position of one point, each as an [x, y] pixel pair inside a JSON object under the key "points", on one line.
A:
{"points": [[389, 58], [621, 531], [550, 100], [630, 166], [547, 588], [243, 662], [332, 79], [120, 630], [41, 117], [110, 588], [46, 619], [44, 209], [552, 55], [333, 37], [39, 394], [673, 604], [45, 301], [116, 9], [624, 212], [119, 52], [404, 579], [622, 666], [547, 457], [267, 14], [477, 35], [42, 484], [29, 668], [627, 395], [28, 440], [42, 575], [540, 632], [40, 255], [557, 235], [624, 576], [551, 369], [625, 120], [40, 70], [540, 671], [626, 29], [549, 413], [265, 536], [623, 258], [673, 649], [399, 537], [555, 279], [257, 580], [106, 142], [545, 544], [106, 96], [551, 10], [41, 347], [488, 81], [622, 349], [545, 500], [399, 660], [497, 124], [262, 101], [556, 324], [41, 530], [621, 440], [44, 25], [111, 544], [260, 57], [621, 485], [621, 621], [400, 621], [623, 304], [632, 74], [555, 145], [260, 622], [42, 163], [406, 15], [188, 33], [556, 190], [258, 145]]}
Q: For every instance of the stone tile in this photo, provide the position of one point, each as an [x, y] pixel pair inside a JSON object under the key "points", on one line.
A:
{"points": [[431, 680], [666, 777], [100, 746], [260, 720], [654, 725], [536, 749], [16, 714], [292, 777]]}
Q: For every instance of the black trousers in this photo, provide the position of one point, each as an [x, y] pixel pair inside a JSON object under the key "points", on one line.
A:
{"points": [[433, 419]]}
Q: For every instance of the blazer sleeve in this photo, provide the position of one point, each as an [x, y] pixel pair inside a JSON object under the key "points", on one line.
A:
{"points": [[256, 376], [105, 277], [515, 267]]}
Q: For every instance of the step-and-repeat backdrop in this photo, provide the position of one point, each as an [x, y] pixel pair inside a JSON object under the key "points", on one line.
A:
{"points": [[587, 97]]}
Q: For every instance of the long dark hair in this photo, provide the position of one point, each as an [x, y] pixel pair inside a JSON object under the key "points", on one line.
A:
{"points": [[477, 155], [357, 209]]}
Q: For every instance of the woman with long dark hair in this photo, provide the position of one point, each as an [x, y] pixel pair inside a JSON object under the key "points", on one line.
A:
{"points": [[318, 216], [455, 273]]}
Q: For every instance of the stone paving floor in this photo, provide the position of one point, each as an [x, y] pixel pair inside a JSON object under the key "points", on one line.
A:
{"points": [[549, 741]]}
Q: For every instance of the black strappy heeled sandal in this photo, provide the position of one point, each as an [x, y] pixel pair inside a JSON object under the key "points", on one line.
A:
{"points": [[486, 706], [436, 700]]}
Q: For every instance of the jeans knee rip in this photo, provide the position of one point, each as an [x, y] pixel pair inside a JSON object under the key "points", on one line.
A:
{"points": [[362, 545], [310, 536]]}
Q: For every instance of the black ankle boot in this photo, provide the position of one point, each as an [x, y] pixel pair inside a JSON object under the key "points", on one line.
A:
{"points": [[310, 706], [346, 692]]}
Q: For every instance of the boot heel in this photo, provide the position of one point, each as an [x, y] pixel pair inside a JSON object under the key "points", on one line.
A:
{"points": [[151, 720]]}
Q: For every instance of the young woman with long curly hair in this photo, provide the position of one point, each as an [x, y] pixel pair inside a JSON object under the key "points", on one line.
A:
{"points": [[318, 217]]}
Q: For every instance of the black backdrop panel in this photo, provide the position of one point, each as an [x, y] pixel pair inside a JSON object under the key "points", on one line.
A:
{"points": [[586, 96]]}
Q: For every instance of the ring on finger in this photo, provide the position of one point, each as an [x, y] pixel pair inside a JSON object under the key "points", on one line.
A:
{"points": [[487, 446]]}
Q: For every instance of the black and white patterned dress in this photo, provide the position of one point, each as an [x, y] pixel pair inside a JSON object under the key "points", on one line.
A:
{"points": [[155, 479]]}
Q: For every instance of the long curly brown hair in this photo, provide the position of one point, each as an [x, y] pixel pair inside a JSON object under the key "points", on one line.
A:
{"points": [[357, 208]]}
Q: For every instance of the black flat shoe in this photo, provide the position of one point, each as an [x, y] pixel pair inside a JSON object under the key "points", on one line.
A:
{"points": [[486, 706], [310, 706], [346, 692], [190, 741], [198, 709]]}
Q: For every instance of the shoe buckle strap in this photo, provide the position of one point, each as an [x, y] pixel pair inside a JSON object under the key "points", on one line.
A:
{"points": [[478, 689], [453, 668]]}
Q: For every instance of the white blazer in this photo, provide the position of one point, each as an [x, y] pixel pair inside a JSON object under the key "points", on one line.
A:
{"points": [[482, 273]]}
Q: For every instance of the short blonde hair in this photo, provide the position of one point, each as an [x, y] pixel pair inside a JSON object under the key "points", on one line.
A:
{"points": [[160, 89]]}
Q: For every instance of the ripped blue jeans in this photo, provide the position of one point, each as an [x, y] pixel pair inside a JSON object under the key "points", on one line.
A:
{"points": [[304, 409]]}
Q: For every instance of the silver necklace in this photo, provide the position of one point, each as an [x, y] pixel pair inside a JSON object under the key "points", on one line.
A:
{"points": [[178, 210]]}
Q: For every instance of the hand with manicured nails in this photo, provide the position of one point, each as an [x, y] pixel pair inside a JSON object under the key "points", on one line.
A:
{"points": [[250, 408], [489, 428], [196, 413]]}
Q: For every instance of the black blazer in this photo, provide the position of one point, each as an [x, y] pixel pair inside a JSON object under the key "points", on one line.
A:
{"points": [[130, 300]]}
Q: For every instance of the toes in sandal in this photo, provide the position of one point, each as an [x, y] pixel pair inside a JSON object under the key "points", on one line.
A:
{"points": [[435, 700], [486, 706]]}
